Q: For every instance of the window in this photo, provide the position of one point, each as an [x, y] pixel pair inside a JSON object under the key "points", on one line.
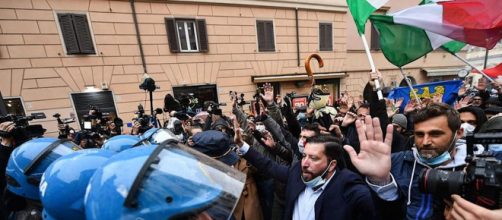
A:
{"points": [[375, 39], [325, 37], [82, 102], [201, 93], [265, 32], [76, 33], [187, 35]]}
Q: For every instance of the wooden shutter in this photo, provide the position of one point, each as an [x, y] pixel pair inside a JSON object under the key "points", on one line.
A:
{"points": [[202, 35], [172, 35], [325, 37], [68, 32], [269, 28], [265, 32], [83, 34], [375, 39]]}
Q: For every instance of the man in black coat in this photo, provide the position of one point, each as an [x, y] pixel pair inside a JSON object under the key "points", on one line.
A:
{"points": [[318, 187]]}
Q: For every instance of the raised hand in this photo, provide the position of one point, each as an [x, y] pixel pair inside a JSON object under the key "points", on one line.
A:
{"points": [[438, 98], [238, 132], [269, 93], [373, 159], [349, 118]]}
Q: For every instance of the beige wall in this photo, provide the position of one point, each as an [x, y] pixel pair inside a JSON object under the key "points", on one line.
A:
{"points": [[33, 63]]}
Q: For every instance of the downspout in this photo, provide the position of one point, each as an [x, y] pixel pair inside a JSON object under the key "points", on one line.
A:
{"points": [[138, 36], [297, 38]]}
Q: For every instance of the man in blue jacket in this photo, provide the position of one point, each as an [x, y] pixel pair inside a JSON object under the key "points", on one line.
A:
{"points": [[395, 178], [317, 187]]}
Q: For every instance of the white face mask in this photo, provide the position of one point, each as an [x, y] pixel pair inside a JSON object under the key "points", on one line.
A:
{"points": [[260, 128], [301, 146], [468, 129]]}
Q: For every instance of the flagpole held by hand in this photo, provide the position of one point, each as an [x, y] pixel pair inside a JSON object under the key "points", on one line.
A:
{"points": [[477, 69], [373, 68], [409, 85]]}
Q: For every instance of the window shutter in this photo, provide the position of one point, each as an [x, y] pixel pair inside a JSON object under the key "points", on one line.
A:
{"points": [[68, 32], [269, 28], [83, 34], [375, 39], [172, 35], [202, 35], [265, 32], [325, 37], [260, 31]]}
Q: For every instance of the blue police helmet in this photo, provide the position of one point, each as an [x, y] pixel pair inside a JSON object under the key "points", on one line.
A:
{"points": [[161, 182], [149, 133], [28, 162], [63, 184], [121, 142], [158, 136]]}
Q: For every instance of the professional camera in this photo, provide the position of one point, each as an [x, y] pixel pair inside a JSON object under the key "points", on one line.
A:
{"points": [[480, 183], [64, 128], [23, 131], [143, 119], [213, 107], [89, 139]]}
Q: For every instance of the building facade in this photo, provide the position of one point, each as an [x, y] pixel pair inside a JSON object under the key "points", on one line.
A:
{"points": [[55, 54]]}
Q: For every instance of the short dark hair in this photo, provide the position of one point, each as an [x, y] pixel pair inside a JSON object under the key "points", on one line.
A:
{"points": [[312, 127], [364, 105], [332, 148], [439, 109]]}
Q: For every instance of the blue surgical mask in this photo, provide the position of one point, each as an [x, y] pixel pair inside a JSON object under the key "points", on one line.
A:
{"points": [[437, 160], [318, 181]]}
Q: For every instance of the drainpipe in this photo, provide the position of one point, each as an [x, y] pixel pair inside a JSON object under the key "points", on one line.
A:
{"points": [[297, 38], [138, 36]]}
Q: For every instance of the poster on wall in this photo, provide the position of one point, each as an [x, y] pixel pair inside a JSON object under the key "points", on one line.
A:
{"points": [[299, 102]]}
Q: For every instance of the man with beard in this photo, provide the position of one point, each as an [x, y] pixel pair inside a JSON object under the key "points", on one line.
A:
{"points": [[395, 177], [318, 187]]}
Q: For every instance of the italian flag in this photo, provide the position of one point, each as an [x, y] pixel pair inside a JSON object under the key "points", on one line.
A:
{"points": [[362, 9], [476, 22], [403, 44]]}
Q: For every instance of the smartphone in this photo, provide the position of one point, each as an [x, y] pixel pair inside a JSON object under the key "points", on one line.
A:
{"points": [[129, 124]]}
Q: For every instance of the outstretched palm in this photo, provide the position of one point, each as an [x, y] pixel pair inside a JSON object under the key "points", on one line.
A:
{"points": [[373, 160], [269, 93]]}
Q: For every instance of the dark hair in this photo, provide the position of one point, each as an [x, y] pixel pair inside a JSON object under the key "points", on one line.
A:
{"points": [[364, 105], [312, 127], [332, 148], [439, 109]]}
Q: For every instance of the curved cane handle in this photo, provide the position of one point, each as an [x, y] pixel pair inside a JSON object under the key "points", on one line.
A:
{"points": [[309, 70]]}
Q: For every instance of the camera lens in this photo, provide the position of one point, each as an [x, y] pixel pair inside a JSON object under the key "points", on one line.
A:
{"points": [[441, 182]]}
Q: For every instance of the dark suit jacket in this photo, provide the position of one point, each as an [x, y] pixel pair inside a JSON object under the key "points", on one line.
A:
{"points": [[345, 197]]}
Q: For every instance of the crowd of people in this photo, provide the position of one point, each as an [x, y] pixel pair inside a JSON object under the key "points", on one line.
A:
{"points": [[361, 158]]}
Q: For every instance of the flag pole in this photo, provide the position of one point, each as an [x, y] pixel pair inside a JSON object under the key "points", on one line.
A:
{"points": [[466, 62], [410, 86], [372, 64]]}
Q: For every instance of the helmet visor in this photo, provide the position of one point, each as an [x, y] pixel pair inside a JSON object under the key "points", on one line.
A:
{"points": [[189, 184]]}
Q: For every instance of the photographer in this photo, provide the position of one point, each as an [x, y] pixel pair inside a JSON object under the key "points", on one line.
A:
{"points": [[6, 147]]}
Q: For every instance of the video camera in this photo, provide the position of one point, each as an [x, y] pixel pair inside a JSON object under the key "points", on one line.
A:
{"points": [[143, 119], [480, 183], [64, 128], [23, 131], [213, 107]]}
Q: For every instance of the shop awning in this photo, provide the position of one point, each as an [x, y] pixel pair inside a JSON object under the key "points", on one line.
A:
{"points": [[295, 77], [442, 72]]}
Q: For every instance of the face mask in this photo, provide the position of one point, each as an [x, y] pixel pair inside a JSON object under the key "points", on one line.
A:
{"points": [[495, 147], [468, 129], [260, 128], [301, 146], [445, 156], [318, 181]]}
